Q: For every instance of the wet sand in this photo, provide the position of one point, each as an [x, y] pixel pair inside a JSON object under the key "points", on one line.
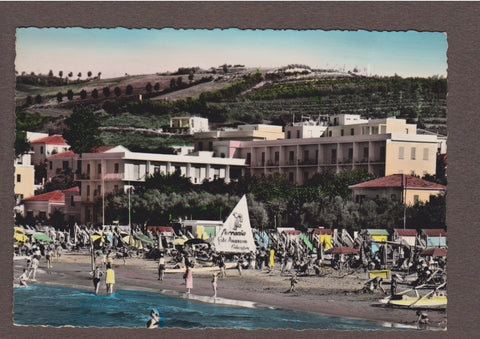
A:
{"points": [[335, 293]]}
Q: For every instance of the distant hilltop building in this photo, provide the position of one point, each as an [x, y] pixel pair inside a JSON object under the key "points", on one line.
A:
{"points": [[188, 125]]}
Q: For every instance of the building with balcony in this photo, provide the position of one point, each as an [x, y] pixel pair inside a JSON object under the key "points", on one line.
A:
{"points": [[401, 187], [44, 147], [381, 147], [118, 168], [188, 125], [61, 163]]}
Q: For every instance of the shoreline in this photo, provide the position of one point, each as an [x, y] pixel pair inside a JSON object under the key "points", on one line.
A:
{"points": [[331, 296]]}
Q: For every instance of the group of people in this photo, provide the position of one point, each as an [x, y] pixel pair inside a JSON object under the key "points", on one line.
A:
{"points": [[109, 278]]}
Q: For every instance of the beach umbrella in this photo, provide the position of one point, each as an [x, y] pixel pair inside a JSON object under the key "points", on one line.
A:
{"points": [[342, 250], [42, 237], [19, 235], [132, 242], [99, 239], [434, 252]]}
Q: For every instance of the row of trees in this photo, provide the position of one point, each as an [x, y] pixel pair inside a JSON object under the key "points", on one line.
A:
{"points": [[273, 202]]}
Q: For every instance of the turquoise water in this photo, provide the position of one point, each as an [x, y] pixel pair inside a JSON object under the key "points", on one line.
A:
{"points": [[59, 306]]}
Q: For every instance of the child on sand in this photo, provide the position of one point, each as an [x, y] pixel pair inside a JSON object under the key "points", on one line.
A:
{"points": [[293, 282], [23, 278]]}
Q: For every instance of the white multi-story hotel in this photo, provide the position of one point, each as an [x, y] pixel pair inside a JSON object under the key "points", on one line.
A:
{"points": [[118, 168], [380, 146]]}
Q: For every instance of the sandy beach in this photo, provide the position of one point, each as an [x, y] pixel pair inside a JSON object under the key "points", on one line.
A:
{"points": [[335, 293]]}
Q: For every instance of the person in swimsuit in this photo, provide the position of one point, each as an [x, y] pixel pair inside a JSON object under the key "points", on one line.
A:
{"points": [[161, 267], [23, 278], [97, 274], [214, 284], [109, 279], [154, 319]]}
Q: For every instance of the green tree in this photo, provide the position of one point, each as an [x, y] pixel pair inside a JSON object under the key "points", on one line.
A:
{"points": [[156, 87], [89, 74], [60, 74], [148, 87], [95, 93], [129, 90], [106, 92], [38, 99], [59, 96], [70, 94], [21, 144], [82, 131], [29, 100], [117, 91], [83, 94], [173, 83]]}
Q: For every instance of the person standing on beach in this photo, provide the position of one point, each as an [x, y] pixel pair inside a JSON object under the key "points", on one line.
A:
{"points": [[49, 257], [97, 274], [34, 268], [293, 282], [188, 279], [161, 267], [110, 279], [221, 265], [271, 260], [214, 284]]}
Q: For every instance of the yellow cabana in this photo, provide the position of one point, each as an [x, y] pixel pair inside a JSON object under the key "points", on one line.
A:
{"points": [[325, 240], [180, 241], [19, 235]]}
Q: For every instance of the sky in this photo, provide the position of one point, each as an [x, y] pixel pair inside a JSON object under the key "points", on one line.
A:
{"points": [[117, 51]]}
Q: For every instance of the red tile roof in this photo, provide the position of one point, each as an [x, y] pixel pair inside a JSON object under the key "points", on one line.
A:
{"points": [[100, 149], [405, 233], [67, 154], [73, 189], [434, 232], [50, 140], [395, 180], [55, 196]]}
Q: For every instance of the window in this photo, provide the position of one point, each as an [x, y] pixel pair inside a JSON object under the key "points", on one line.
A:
{"points": [[210, 146], [88, 190], [329, 133], [249, 158], [65, 165], [222, 155], [50, 165], [19, 178], [365, 153], [415, 199], [290, 176], [99, 168], [334, 156], [316, 156], [263, 158], [306, 155], [298, 133], [88, 169], [99, 190], [425, 154], [352, 131], [401, 151], [305, 175], [350, 154], [41, 149], [115, 188], [42, 215], [200, 146], [394, 197], [382, 153], [341, 132], [72, 202], [116, 168], [291, 157], [289, 135], [277, 157], [413, 150]]}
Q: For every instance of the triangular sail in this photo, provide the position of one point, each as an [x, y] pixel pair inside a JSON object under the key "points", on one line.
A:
{"points": [[235, 236]]}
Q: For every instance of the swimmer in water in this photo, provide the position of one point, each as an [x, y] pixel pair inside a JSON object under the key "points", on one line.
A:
{"points": [[154, 319]]}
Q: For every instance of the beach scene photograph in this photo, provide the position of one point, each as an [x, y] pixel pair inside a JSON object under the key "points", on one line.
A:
{"points": [[230, 179]]}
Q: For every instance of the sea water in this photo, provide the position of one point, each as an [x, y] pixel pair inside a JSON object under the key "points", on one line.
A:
{"points": [[60, 306]]}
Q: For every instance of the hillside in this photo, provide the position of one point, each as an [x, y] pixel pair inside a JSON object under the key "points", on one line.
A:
{"points": [[147, 102]]}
